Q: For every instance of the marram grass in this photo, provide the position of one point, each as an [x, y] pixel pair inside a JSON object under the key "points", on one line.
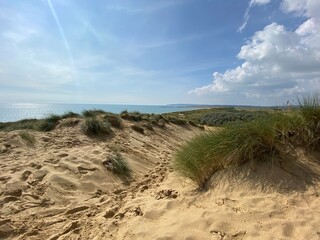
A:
{"points": [[260, 139]]}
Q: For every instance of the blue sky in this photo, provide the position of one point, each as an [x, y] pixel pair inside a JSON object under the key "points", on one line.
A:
{"points": [[258, 52]]}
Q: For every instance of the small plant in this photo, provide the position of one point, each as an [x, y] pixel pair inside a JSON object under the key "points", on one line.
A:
{"points": [[148, 126], [49, 123], [131, 116], [27, 137], [94, 127], [178, 121], [70, 115], [192, 123], [138, 128], [92, 113], [117, 165], [114, 120]]}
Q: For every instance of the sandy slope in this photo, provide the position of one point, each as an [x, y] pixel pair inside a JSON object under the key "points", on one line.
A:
{"points": [[59, 189]]}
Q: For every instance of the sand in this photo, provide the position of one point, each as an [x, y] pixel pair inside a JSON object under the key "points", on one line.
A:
{"points": [[60, 189]]}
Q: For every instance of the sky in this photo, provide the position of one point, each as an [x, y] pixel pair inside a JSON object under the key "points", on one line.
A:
{"points": [[238, 52]]}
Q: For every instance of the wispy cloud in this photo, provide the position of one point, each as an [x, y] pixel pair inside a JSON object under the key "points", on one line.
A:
{"points": [[246, 15], [144, 7]]}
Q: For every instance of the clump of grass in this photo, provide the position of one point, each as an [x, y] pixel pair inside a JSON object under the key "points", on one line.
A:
{"points": [[27, 137], [178, 121], [49, 123], [131, 116], [148, 126], [192, 123], [309, 108], [114, 120], [261, 139], [70, 115], [138, 128], [95, 127], [117, 165], [92, 113]]}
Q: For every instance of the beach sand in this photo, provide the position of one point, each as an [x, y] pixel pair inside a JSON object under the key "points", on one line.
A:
{"points": [[59, 188]]}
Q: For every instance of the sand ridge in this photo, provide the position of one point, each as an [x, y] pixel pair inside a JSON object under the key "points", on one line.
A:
{"points": [[59, 189]]}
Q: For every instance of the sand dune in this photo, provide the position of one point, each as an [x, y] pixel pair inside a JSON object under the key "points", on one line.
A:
{"points": [[60, 189]]}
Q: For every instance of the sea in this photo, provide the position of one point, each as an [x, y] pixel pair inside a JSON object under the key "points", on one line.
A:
{"points": [[11, 112]]}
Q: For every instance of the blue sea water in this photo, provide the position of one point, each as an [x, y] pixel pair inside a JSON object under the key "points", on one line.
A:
{"points": [[10, 112]]}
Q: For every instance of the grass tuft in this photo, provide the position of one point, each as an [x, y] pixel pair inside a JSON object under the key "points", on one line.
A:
{"points": [[92, 113], [132, 116], [138, 128], [114, 120], [94, 127], [49, 123], [117, 165], [28, 138], [261, 139]]}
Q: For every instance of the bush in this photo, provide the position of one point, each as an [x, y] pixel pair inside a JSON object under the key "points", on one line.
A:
{"points": [[94, 127], [117, 165]]}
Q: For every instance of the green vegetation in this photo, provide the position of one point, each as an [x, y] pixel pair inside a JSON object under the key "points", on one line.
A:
{"points": [[177, 121], [95, 127], [31, 124], [264, 138], [49, 123], [131, 116], [70, 115], [223, 117], [92, 113], [138, 128], [114, 120], [27, 137], [117, 165]]}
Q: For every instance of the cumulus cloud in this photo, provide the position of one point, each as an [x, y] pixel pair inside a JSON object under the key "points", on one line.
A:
{"points": [[277, 62]]}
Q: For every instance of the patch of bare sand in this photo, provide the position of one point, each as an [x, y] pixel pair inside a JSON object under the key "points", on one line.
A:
{"points": [[59, 189]]}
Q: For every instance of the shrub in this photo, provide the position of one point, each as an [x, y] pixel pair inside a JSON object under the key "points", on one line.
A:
{"points": [[49, 123], [94, 127], [138, 128], [114, 120], [27, 137], [117, 165]]}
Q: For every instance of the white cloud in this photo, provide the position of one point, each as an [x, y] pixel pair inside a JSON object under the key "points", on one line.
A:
{"points": [[246, 15], [260, 2], [277, 63], [309, 8]]}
